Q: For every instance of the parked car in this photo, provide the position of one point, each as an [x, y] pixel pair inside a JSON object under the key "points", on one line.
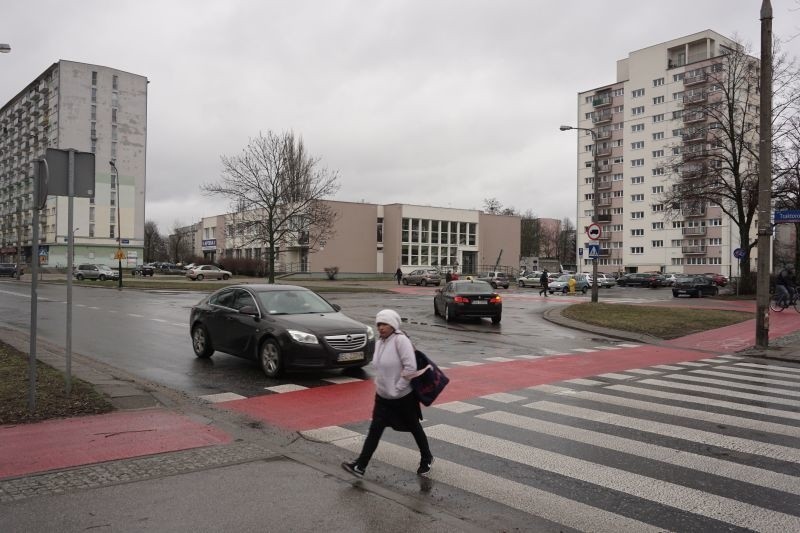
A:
{"points": [[95, 272], [604, 280], [423, 276], [718, 279], [495, 279], [10, 269], [143, 270], [552, 276], [562, 284], [530, 279], [207, 271], [694, 286], [669, 279], [640, 279], [468, 298], [283, 327]]}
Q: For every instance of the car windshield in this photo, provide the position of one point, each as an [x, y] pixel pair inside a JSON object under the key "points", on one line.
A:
{"points": [[563, 278], [472, 287], [103, 267], [684, 279], [293, 302]]}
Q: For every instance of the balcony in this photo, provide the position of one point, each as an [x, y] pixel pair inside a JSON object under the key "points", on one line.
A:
{"points": [[604, 169], [698, 152], [694, 230], [603, 152], [698, 134], [601, 100], [696, 116], [700, 77], [603, 202], [693, 210], [604, 133], [604, 218], [603, 185], [602, 117], [690, 172], [695, 98], [693, 250]]}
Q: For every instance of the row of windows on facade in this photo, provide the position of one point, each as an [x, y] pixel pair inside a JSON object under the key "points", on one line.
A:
{"points": [[675, 243], [434, 256], [427, 231], [114, 107], [659, 82], [675, 261]]}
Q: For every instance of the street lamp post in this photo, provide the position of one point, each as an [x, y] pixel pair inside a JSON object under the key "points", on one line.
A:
{"points": [[595, 217], [119, 226]]}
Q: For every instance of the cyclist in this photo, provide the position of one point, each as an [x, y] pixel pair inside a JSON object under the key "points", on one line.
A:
{"points": [[784, 286]]}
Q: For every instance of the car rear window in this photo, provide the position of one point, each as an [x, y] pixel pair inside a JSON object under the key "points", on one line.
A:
{"points": [[472, 287]]}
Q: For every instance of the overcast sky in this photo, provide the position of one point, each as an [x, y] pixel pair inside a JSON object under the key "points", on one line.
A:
{"points": [[427, 102]]}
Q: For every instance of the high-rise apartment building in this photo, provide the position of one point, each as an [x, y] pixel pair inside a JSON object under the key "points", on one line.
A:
{"points": [[651, 132], [89, 108]]}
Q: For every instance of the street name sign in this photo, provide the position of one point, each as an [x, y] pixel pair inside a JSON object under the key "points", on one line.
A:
{"points": [[789, 215]]}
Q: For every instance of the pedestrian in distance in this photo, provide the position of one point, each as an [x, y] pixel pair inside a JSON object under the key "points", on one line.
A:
{"points": [[399, 275], [395, 406], [543, 281], [785, 285], [448, 277]]}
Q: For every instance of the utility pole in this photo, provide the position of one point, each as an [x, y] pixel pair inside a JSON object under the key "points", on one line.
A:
{"points": [[764, 179]]}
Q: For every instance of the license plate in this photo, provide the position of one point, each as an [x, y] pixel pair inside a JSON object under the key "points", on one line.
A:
{"points": [[682, 291], [352, 356], [479, 302]]}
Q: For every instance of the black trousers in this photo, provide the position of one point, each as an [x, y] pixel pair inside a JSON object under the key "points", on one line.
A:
{"points": [[402, 414]]}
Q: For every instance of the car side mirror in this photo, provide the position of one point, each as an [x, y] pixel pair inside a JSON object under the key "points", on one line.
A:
{"points": [[249, 310], [336, 307]]}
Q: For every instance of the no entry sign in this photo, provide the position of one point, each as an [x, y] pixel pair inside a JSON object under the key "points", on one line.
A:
{"points": [[593, 231]]}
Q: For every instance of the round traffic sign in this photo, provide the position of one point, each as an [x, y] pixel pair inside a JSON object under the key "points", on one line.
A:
{"points": [[593, 231], [739, 253]]}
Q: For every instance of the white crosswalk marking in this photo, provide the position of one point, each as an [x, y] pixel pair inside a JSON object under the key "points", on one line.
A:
{"points": [[589, 382], [504, 397], [667, 367], [584, 350], [519, 496], [771, 367], [458, 407], [693, 363], [612, 375], [719, 392], [643, 371], [748, 378], [730, 385], [688, 499], [709, 465], [775, 451], [759, 372], [499, 359]]}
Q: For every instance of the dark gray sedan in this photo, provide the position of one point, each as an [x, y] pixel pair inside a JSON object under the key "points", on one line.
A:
{"points": [[283, 327], [468, 298]]}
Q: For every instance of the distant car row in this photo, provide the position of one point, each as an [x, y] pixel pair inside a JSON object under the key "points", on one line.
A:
{"points": [[191, 271], [638, 279], [10, 269]]}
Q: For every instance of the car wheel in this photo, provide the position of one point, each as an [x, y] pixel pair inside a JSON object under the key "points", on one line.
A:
{"points": [[448, 315], [225, 277], [79, 277], [102, 277], [583, 290], [715, 292], [270, 358], [674, 294], [521, 284], [424, 283], [199, 277], [496, 319], [435, 309], [405, 282], [201, 342], [494, 285]]}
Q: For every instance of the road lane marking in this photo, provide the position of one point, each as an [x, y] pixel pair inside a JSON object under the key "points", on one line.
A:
{"points": [[135, 316], [341, 379], [587, 382], [667, 367], [285, 388], [222, 397], [746, 378], [457, 407], [720, 392], [499, 359], [504, 397], [466, 363], [642, 371], [771, 367], [760, 372], [732, 385], [614, 375]]}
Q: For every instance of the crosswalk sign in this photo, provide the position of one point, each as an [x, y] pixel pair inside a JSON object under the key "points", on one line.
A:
{"points": [[594, 250]]}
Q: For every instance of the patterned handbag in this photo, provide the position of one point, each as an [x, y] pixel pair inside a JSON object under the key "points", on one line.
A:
{"points": [[430, 382]]}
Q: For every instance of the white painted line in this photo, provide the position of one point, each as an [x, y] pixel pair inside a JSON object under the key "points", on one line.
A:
{"points": [[93, 307], [457, 407], [771, 367], [667, 367], [607, 347], [499, 359], [629, 345], [550, 389], [733, 385], [691, 363], [701, 463], [691, 500], [588, 382], [721, 392], [159, 320], [529, 356], [466, 363], [178, 324], [504, 397], [760, 372], [692, 414], [135, 315], [541, 503], [736, 357], [222, 397], [613, 375], [341, 379], [713, 360], [702, 400], [747, 378], [643, 371], [782, 453], [584, 350], [285, 388], [108, 310]]}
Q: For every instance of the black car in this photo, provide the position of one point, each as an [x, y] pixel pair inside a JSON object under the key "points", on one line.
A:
{"points": [[640, 279], [468, 298], [143, 270], [694, 286], [283, 327], [10, 269]]}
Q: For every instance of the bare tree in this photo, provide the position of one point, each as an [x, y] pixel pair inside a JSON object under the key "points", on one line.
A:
{"points": [[567, 242], [548, 240], [276, 190], [492, 206], [717, 162], [155, 248], [787, 191]]}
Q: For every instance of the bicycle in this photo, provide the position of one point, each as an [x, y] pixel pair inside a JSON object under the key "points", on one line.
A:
{"points": [[779, 303]]}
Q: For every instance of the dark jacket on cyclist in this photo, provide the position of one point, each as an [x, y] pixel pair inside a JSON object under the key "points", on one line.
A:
{"points": [[785, 278]]}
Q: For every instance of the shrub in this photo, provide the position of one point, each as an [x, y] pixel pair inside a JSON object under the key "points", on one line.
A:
{"points": [[331, 272]]}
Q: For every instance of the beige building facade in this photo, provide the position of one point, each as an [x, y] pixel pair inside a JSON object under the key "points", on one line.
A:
{"points": [[643, 123], [89, 108], [379, 239]]}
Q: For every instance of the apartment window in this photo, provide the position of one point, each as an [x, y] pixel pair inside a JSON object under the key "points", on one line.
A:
{"points": [[618, 92], [91, 214], [658, 208], [658, 136], [637, 214], [658, 189], [114, 132], [658, 153], [380, 229], [658, 244], [94, 112], [617, 210], [636, 93], [588, 115], [677, 261], [94, 79], [617, 177], [677, 243], [637, 110], [114, 116], [657, 225], [637, 162], [619, 109], [638, 145], [112, 215], [658, 118], [113, 150], [588, 196], [658, 82], [715, 222], [616, 227], [618, 143], [658, 100], [637, 249], [618, 160], [715, 242], [115, 82], [111, 232], [678, 96], [637, 198], [94, 146], [677, 224], [637, 127], [91, 230], [658, 171], [677, 77], [637, 232], [677, 114], [637, 179], [618, 126], [714, 260], [94, 94], [619, 194]]}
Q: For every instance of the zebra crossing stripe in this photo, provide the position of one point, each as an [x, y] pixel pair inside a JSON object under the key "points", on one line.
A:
{"points": [[748, 378], [687, 499], [667, 367], [537, 502], [777, 374], [643, 371], [775, 451], [583, 381], [613, 375], [528, 356], [457, 407], [626, 345], [695, 414], [607, 347], [719, 392], [499, 359], [736, 357], [701, 463], [504, 397], [584, 350], [771, 367], [338, 380], [289, 387], [702, 400], [466, 363], [692, 363], [731, 385]]}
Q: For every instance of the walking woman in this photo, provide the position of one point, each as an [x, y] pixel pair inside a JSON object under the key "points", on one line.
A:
{"points": [[395, 404]]}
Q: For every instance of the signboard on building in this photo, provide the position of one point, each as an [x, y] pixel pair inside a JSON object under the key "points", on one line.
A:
{"points": [[209, 244], [789, 215]]}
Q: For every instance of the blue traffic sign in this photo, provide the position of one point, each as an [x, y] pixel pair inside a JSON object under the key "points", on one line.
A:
{"points": [[739, 253], [594, 250], [789, 215]]}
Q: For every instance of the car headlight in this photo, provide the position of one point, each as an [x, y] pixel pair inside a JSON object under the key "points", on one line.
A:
{"points": [[302, 336], [370, 333]]}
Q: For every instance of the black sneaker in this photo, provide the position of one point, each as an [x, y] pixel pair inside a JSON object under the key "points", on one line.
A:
{"points": [[425, 467], [356, 470]]}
